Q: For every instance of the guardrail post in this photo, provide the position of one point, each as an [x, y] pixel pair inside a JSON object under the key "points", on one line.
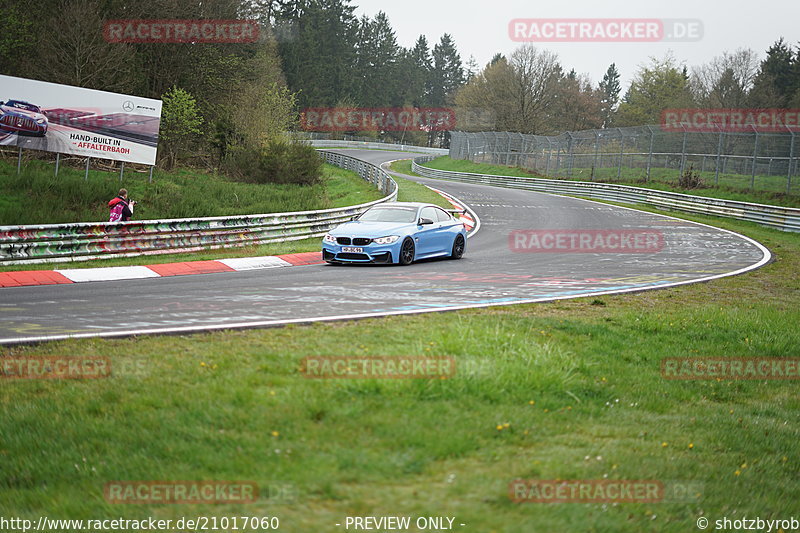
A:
{"points": [[569, 168], [755, 152], [86, 175], [683, 150], [19, 160], [719, 156], [791, 157], [650, 152], [58, 157]]}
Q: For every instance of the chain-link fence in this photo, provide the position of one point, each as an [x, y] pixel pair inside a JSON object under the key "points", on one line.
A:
{"points": [[757, 160]]}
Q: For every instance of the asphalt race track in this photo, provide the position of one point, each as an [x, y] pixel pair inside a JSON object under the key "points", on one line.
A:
{"points": [[489, 274]]}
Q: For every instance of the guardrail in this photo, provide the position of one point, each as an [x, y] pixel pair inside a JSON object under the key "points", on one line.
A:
{"points": [[88, 240], [376, 146], [783, 218]]}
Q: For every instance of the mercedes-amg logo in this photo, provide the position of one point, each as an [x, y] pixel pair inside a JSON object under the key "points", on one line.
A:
{"points": [[127, 106]]}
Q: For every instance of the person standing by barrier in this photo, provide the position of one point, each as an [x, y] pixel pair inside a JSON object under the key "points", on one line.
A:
{"points": [[121, 209]]}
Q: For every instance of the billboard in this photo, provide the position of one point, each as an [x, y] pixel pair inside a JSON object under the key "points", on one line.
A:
{"points": [[72, 120]]}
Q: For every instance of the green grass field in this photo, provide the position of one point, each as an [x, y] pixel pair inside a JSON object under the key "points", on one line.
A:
{"points": [[733, 187], [567, 390]]}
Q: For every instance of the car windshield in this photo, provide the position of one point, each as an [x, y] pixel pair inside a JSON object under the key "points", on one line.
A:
{"points": [[389, 214], [22, 105]]}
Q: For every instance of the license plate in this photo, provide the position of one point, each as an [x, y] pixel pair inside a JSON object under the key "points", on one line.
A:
{"points": [[351, 250]]}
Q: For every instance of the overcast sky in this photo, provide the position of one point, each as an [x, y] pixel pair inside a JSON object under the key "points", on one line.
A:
{"points": [[480, 28]]}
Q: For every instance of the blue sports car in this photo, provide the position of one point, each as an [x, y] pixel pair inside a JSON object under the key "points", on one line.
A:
{"points": [[397, 232]]}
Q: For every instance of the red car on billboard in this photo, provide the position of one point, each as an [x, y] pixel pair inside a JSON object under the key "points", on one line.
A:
{"points": [[24, 118]]}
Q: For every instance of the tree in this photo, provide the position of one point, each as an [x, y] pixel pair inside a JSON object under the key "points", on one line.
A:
{"points": [[726, 80], [73, 51], [609, 90], [376, 63], [520, 93], [417, 73], [317, 41], [577, 105], [471, 69], [658, 86], [774, 85], [180, 123], [447, 73]]}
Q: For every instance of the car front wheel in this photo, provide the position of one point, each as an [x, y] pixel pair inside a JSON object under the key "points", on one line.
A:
{"points": [[407, 252]]}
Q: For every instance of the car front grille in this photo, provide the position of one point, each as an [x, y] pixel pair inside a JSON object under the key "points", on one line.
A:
{"points": [[17, 122], [357, 241]]}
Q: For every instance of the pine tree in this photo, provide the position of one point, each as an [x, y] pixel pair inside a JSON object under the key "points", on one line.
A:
{"points": [[317, 43], [609, 91], [774, 82]]}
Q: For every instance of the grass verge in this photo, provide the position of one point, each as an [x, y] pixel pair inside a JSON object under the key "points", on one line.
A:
{"points": [[567, 390]]}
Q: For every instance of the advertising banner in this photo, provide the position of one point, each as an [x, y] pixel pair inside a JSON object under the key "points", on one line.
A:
{"points": [[38, 115]]}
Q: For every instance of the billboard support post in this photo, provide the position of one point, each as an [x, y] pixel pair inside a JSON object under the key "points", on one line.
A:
{"points": [[151, 175], [86, 176], [19, 160], [121, 171], [58, 158]]}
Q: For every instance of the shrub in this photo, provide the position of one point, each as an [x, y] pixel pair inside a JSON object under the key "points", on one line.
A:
{"points": [[690, 179], [279, 162]]}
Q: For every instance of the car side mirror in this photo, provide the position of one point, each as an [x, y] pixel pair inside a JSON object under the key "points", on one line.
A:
{"points": [[424, 221]]}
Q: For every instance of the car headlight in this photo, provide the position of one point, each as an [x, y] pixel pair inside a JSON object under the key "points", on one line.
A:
{"points": [[330, 239], [386, 240]]}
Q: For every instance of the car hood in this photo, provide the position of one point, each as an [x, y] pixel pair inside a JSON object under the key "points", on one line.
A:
{"points": [[358, 228]]}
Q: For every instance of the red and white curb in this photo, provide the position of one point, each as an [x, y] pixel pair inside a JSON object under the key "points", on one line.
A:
{"points": [[464, 214], [25, 278]]}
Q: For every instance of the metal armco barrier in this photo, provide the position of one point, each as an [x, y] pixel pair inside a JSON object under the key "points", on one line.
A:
{"points": [[377, 146], [87, 240], [783, 218]]}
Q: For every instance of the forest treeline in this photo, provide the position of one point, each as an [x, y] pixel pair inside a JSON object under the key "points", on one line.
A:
{"points": [[221, 100]]}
